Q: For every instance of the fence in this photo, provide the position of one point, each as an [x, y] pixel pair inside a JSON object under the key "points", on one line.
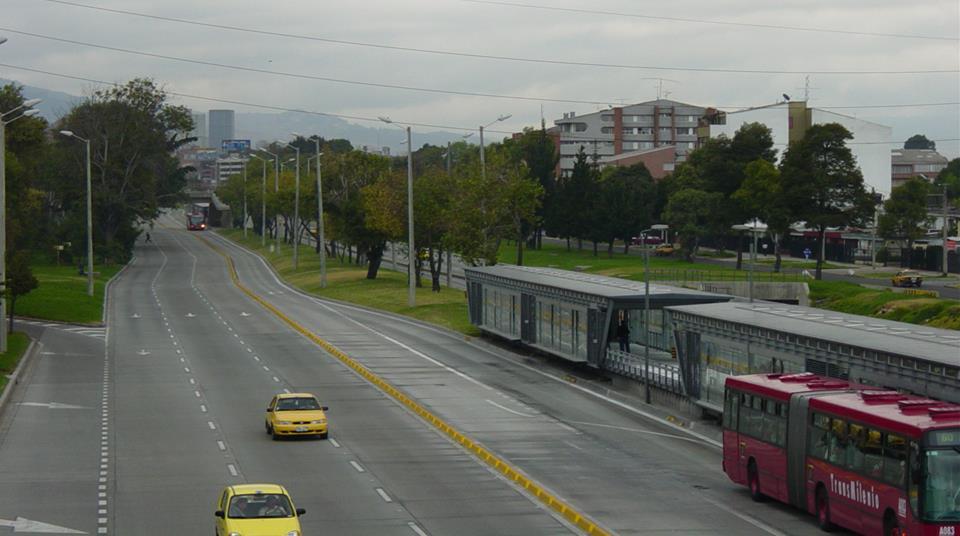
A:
{"points": [[712, 276], [666, 376]]}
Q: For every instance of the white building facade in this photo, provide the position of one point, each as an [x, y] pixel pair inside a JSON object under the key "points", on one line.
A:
{"points": [[789, 121]]}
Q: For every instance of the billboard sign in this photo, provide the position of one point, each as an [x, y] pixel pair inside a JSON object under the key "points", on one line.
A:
{"points": [[235, 146]]}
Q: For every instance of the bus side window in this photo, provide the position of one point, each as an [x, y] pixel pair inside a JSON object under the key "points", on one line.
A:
{"points": [[838, 441], [894, 460], [854, 456], [872, 450], [913, 493], [818, 436]]}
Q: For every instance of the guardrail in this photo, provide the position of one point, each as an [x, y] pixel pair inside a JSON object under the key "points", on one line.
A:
{"points": [[666, 376]]}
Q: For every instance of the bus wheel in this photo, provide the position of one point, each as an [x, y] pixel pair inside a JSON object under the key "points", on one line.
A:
{"points": [[753, 481], [890, 525], [823, 511]]}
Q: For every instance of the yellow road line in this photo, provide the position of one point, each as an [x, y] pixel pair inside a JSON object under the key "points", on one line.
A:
{"points": [[581, 521]]}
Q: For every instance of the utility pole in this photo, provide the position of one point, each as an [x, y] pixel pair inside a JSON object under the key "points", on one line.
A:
{"points": [[946, 233]]}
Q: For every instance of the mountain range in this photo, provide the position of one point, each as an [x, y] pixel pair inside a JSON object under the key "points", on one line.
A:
{"points": [[258, 126]]}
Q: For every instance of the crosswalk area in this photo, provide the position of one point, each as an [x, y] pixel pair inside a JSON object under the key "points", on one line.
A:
{"points": [[89, 331]]}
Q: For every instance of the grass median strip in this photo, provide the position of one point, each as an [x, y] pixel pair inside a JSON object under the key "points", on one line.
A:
{"points": [[17, 343], [852, 298], [61, 295], [545, 497]]}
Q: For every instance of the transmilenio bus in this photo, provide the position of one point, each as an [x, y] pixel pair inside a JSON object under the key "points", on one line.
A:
{"points": [[873, 462], [196, 222]]}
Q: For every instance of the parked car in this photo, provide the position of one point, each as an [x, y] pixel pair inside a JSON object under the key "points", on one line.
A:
{"points": [[907, 278]]}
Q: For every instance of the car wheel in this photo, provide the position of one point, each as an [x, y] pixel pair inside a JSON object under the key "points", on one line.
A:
{"points": [[890, 525], [323, 435], [267, 426]]}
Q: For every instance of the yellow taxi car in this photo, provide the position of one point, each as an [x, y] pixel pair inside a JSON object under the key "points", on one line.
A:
{"points": [[257, 510], [907, 278], [296, 414], [664, 250]]}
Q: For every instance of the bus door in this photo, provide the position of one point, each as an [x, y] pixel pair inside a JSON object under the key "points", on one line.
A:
{"points": [[528, 318], [731, 437], [596, 335]]}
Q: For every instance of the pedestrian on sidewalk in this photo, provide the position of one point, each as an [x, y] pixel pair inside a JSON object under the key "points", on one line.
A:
{"points": [[147, 241]]}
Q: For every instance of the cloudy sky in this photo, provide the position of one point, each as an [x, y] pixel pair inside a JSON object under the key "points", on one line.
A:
{"points": [[621, 32]]}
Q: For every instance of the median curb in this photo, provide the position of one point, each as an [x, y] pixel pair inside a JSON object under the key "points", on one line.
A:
{"points": [[517, 477], [14, 377]]}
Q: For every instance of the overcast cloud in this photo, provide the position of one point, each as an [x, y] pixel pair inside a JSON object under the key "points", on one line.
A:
{"points": [[509, 31]]}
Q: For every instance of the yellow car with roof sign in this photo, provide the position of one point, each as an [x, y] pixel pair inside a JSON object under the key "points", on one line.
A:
{"points": [[296, 414], [257, 510]]}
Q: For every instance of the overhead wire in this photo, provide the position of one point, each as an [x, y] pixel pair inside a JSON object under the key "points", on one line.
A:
{"points": [[583, 11], [382, 84], [490, 56]]}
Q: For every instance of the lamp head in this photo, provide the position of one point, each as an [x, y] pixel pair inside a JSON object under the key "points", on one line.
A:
{"points": [[384, 119], [30, 112], [504, 117], [3, 40], [32, 102], [67, 133], [660, 227]]}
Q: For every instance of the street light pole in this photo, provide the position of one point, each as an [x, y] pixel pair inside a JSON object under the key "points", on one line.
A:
{"points": [[321, 237], [483, 161], [244, 200], [276, 188], [263, 200], [411, 290], [412, 255], [296, 209], [646, 308], [86, 142]]}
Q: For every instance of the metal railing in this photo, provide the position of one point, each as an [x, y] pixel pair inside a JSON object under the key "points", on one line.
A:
{"points": [[666, 376]]}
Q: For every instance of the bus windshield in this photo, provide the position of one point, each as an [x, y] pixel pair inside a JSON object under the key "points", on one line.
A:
{"points": [[941, 497], [196, 219]]}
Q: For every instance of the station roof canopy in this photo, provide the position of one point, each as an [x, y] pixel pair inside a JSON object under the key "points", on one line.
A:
{"points": [[931, 344], [623, 292]]}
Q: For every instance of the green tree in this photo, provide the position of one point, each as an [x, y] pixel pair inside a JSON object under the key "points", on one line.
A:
{"points": [[688, 212], [761, 197], [133, 132], [627, 196], [26, 160], [20, 280], [905, 213], [822, 182], [919, 141], [538, 151], [949, 177]]}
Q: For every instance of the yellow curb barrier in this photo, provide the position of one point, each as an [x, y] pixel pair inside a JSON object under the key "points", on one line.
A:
{"points": [[568, 512]]}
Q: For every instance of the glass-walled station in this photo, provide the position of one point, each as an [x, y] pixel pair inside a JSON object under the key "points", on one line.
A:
{"points": [[573, 315], [723, 339]]}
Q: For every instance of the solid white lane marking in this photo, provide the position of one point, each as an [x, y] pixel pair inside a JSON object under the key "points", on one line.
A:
{"points": [[53, 405], [334, 442], [416, 529], [383, 495], [636, 430], [358, 467], [504, 408], [232, 469], [749, 519]]}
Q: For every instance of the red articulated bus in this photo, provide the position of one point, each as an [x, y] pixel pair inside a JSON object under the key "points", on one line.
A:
{"points": [[196, 222], [870, 461]]}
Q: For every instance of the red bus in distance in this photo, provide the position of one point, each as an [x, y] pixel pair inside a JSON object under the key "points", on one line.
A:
{"points": [[196, 222], [870, 461]]}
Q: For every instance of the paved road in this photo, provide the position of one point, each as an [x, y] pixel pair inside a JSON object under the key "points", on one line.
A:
{"points": [[175, 410]]}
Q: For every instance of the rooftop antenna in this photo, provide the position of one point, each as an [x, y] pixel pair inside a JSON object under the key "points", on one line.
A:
{"points": [[660, 82], [806, 88]]}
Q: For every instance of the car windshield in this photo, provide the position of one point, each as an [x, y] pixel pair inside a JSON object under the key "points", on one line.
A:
{"points": [[294, 404], [941, 494], [259, 505]]}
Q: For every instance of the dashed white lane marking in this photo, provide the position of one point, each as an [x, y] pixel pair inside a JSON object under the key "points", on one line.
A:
{"points": [[334, 443], [416, 529], [276, 379], [285, 390], [358, 467], [203, 408], [266, 368], [221, 445], [233, 469], [256, 358], [508, 410], [193, 381], [383, 495], [196, 394], [186, 369], [211, 425], [569, 444]]}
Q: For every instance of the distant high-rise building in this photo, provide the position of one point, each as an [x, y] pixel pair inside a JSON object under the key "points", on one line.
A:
{"points": [[221, 127], [200, 130]]}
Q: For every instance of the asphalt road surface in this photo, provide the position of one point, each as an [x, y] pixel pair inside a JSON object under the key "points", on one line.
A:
{"points": [[174, 410]]}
